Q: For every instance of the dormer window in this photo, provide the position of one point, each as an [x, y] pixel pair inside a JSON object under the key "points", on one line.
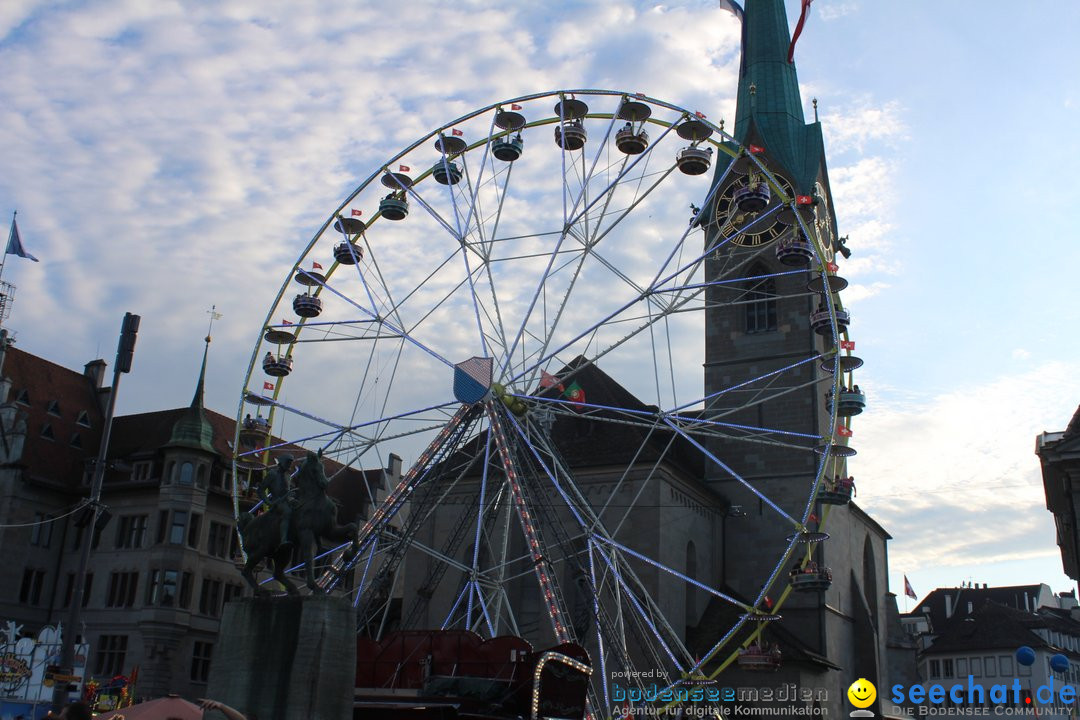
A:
{"points": [[76, 440], [140, 471], [54, 408], [83, 419], [47, 432], [22, 397]]}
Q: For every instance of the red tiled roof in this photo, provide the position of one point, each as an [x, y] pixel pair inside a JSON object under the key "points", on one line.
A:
{"points": [[54, 460]]}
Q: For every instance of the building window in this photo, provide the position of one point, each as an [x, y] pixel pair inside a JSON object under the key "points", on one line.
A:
{"points": [[140, 471], [935, 668], [83, 419], [991, 666], [76, 441], [947, 668], [232, 591], [217, 543], [961, 667], [193, 531], [162, 588], [210, 598], [760, 302], [30, 590], [178, 526], [122, 589], [200, 661], [187, 474], [41, 532], [1005, 665], [53, 408], [185, 591], [131, 531], [47, 432], [976, 667], [69, 588], [22, 397], [110, 655]]}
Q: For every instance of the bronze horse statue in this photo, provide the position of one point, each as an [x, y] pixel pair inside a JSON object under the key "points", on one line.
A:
{"points": [[314, 517]]}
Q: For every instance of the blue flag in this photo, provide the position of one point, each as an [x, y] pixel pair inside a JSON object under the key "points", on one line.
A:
{"points": [[14, 244]]}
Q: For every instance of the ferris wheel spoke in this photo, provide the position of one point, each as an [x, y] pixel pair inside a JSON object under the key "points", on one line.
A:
{"points": [[727, 468]]}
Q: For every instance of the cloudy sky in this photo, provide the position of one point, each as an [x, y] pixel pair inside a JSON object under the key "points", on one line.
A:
{"points": [[165, 157]]}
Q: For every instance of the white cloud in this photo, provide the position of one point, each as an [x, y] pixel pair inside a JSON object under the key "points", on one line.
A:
{"points": [[954, 477]]}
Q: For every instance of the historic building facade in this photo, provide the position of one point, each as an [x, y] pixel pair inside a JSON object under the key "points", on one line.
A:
{"points": [[165, 562]]}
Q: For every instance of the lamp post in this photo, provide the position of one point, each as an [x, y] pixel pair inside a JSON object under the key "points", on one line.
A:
{"points": [[125, 351]]}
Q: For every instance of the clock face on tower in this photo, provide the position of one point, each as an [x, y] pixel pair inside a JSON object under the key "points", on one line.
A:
{"points": [[823, 223], [750, 229]]}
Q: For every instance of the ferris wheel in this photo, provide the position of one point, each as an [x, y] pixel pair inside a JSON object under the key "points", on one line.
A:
{"points": [[501, 333]]}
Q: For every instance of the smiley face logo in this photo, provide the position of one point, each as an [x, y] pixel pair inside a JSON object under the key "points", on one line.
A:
{"points": [[862, 693]]}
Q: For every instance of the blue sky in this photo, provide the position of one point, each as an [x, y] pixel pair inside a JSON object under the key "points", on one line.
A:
{"points": [[165, 157]]}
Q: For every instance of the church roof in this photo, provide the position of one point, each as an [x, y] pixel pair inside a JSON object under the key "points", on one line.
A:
{"points": [[193, 429], [769, 109]]}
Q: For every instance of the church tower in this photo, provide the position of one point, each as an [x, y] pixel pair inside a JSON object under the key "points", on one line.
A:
{"points": [[770, 357]]}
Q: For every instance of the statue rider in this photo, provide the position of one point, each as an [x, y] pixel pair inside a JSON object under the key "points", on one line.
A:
{"points": [[277, 491]]}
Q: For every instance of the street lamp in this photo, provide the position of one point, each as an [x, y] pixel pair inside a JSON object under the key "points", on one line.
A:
{"points": [[125, 352]]}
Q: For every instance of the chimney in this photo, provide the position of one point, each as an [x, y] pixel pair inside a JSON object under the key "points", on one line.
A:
{"points": [[95, 370]]}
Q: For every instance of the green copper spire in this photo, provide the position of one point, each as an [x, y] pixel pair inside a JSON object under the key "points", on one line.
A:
{"points": [[769, 111], [193, 429]]}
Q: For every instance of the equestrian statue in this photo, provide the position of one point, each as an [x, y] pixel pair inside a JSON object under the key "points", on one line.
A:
{"points": [[295, 519]]}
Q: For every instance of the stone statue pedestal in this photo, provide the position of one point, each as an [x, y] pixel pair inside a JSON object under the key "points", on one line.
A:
{"points": [[282, 658]]}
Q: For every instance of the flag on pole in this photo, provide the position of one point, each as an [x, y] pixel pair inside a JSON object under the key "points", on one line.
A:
{"points": [[847, 344], [316, 266], [798, 30], [804, 200], [755, 149], [285, 322], [548, 380], [843, 431], [356, 213], [403, 168], [574, 393], [14, 243], [732, 7], [268, 385], [514, 106], [700, 114], [832, 267], [908, 590], [456, 133]]}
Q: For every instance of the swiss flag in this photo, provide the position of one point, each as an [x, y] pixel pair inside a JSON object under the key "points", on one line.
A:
{"points": [[357, 213], [268, 386], [908, 590], [700, 114], [843, 431], [515, 107], [755, 149], [804, 200], [403, 168], [456, 133], [285, 322], [847, 344], [316, 266]]}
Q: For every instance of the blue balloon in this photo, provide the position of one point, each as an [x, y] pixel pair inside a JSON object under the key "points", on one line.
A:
{"points": [[1059, 663], [1025, 655]]}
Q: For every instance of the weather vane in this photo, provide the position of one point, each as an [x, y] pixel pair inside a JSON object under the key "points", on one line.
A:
{"points": [[214, 315]]}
